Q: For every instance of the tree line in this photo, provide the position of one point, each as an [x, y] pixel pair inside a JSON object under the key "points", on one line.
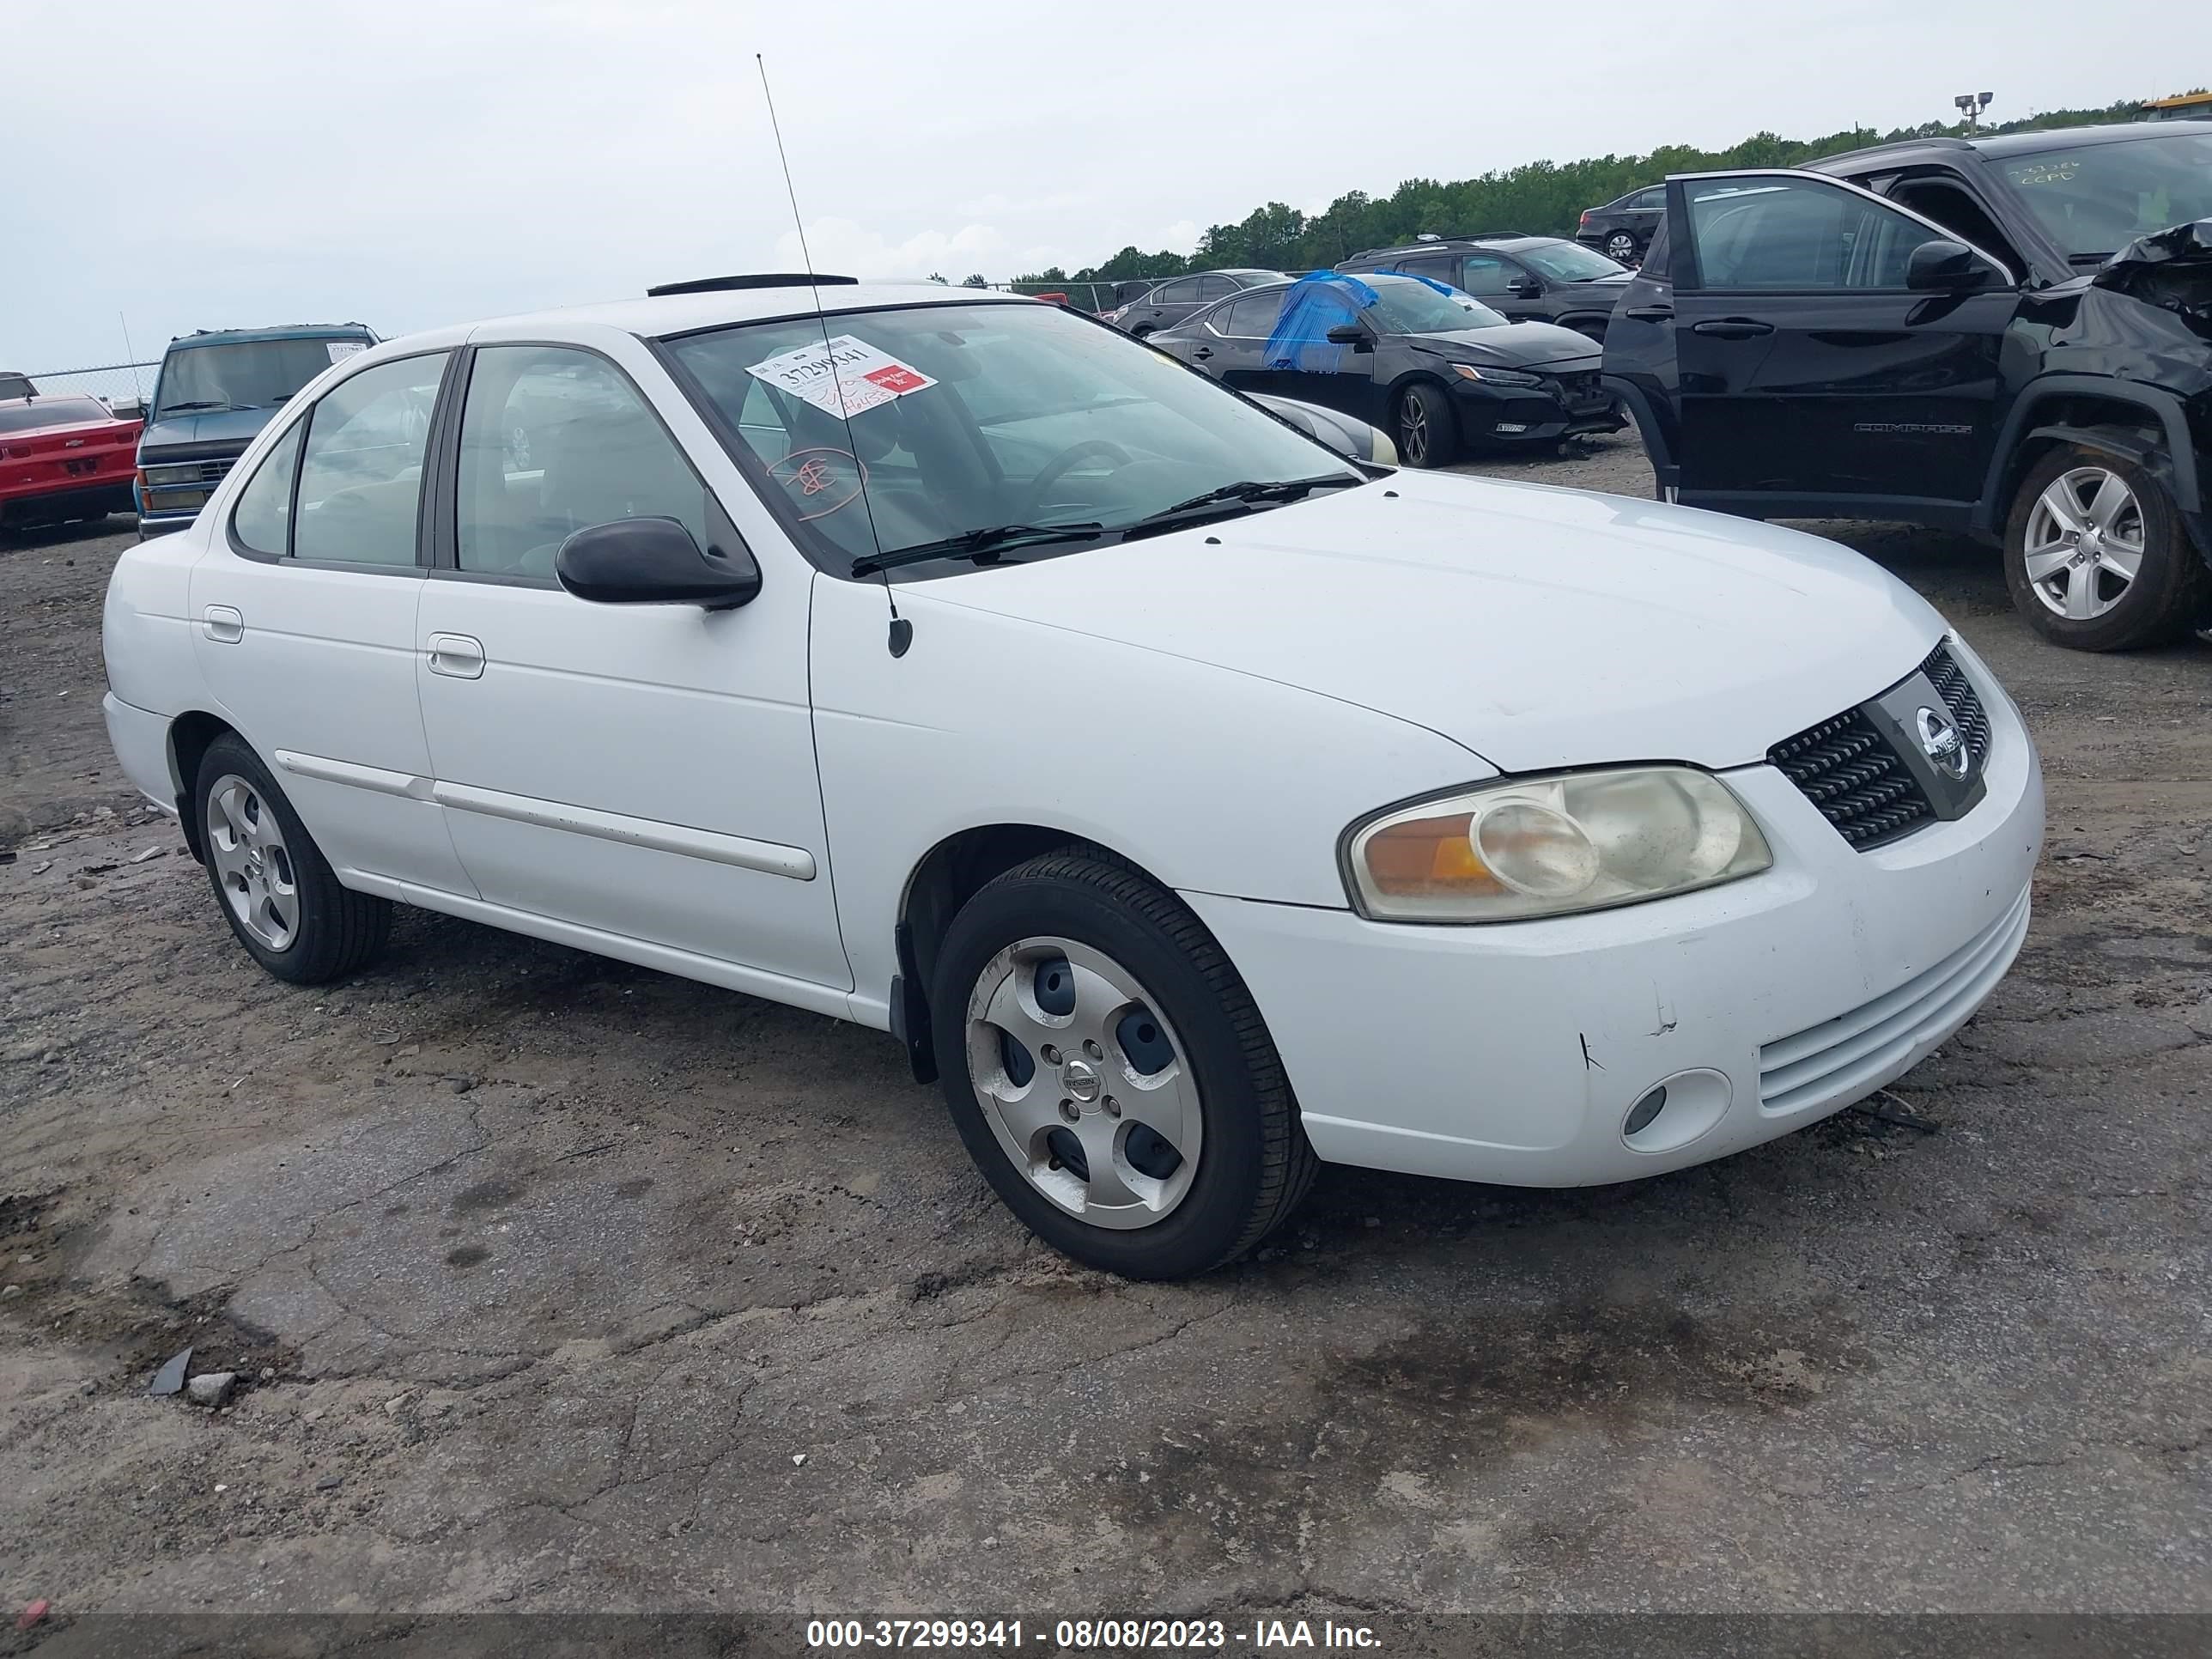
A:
{"points": [[1540, 197]]}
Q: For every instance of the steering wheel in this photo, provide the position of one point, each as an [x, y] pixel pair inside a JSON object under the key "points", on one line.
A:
{"points": [[1067, 461]]}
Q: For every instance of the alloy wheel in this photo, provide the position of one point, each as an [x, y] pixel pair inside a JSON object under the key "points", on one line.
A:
{"points": [[1086, 1087], [251, 864], [1621, 247], [2084, 544], [1413, 431]]}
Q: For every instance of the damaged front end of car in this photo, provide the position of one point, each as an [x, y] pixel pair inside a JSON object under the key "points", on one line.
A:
{"points": [[2171, 268]]}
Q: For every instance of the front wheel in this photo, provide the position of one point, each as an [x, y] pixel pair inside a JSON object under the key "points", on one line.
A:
{"points": [[1426, 434], [1107, 1070], [2096, 558]]}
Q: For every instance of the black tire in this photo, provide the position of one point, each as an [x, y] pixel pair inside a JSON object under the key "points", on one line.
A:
{"points": [[2171, 593], [1256, 1165], [1433, 439], [337, 930], [1141, 331]]}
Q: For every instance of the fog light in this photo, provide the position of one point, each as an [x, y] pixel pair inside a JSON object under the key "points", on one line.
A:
{"points": [[1641, 1113]]}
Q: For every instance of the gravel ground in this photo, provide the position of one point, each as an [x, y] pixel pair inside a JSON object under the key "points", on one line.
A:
{"points": [[554, 1284]]}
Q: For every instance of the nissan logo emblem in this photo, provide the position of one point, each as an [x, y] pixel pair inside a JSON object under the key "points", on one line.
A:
{"points": [[1940, 741]]}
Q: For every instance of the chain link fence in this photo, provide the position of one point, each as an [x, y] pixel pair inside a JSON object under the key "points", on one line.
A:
{"points": [[123, 387]]}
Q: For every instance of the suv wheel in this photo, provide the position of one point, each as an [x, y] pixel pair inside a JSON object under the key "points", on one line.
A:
{"points": [[1426, 435], [1113, 1081], [275, 887], [1621, 247], [2096, 556]]}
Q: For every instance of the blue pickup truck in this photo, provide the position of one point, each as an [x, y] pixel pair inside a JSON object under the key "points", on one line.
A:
{"points": [[216, 390]]}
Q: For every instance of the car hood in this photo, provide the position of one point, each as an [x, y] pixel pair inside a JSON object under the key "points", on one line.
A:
{"points": [[205, 431], [1535, 626], [1517, 345]]}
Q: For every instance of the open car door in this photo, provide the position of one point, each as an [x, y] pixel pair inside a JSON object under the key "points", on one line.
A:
{"points": [[1833, 353]]}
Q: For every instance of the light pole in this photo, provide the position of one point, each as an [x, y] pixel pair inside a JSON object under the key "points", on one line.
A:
{"points": [[1970, 106]]}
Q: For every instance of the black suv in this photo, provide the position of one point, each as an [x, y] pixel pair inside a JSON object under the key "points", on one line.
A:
{"points": [[1623, 227], [1431, 367], [1525, 279], [2010, 336]]}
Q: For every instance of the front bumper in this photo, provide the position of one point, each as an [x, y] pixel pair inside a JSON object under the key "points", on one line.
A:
{"points": [[1509, 414], [1513, 1054]]}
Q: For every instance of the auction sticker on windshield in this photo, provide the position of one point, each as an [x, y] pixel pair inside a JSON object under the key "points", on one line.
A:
{"points": [[843, 376], [341, 350]]}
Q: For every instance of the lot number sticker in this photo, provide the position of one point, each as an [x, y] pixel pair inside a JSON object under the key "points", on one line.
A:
{"points": [[866, 377], [341, 350]]}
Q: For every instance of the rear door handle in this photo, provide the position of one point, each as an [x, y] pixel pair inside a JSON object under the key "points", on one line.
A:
{"points": [[456, 655], [1732, 328], [223, 624], [1650, 314], [1203, 352]]}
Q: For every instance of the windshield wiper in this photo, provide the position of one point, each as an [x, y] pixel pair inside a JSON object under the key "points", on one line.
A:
{"points": [[1245, 494], [974, 544], [201, 403]]}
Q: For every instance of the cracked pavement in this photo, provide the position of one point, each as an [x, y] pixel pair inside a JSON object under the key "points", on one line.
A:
{"points": [[577, 1287]]}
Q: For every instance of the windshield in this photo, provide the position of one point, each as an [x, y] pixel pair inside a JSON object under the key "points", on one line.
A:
{"points": [[246, 374], [2094, 199], [1569, 262], [1404, 306], [967, 418], [52, 412]]}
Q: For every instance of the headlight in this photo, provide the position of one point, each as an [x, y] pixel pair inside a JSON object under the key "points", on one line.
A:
{"points": [[1496, 376], [1544, 846]]}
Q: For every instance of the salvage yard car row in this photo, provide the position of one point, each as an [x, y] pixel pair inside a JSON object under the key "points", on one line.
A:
{"points": [[2008, 336]]}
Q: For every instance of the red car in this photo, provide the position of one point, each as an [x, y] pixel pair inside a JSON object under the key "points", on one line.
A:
{"points": [[62, 459]]}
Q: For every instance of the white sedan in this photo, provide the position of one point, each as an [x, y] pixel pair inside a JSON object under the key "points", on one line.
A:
{"points": [[1199, 804]]}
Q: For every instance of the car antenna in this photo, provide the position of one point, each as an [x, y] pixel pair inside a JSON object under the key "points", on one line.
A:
{"points": [[902, 631]]}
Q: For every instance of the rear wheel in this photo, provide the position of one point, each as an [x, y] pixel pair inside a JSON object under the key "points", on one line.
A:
{"points": [[1425, 433], [1621, 247], [1108, 1072], [276, 889], [2096, 558]]}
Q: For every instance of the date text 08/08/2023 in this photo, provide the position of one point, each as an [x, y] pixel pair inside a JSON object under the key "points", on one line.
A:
{"points": [[1083, 1635]]}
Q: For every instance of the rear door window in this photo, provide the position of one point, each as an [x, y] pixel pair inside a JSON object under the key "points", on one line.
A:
{"points": [[1253, 317], [361, 473]]}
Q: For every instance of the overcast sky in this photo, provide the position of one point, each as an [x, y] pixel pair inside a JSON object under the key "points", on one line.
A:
{"points": [[227, 163]]}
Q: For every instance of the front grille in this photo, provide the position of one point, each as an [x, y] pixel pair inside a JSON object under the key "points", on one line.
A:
{"points": [[1843, 767], [1960, 696], [1841, 1060], [1846, 767], [1582, 390]]}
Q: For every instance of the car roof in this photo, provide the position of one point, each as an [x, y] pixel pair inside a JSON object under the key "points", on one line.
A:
{"points": [[206, 337], [1510, 240], [689, 314], [2004, 143]]}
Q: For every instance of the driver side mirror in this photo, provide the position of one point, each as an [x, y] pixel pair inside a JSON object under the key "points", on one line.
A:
{"points": [[1352, 335], [654, 562], [1947, 267]]}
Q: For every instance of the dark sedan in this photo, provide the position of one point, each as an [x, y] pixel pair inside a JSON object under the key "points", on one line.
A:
{"points": [[1622, 228], [1172, 302], [1430, 366]]}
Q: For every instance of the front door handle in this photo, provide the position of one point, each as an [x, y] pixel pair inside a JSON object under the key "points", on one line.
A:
{"points": [[456, 655], [1650, 314], [223, 624], [1732, 328]]}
